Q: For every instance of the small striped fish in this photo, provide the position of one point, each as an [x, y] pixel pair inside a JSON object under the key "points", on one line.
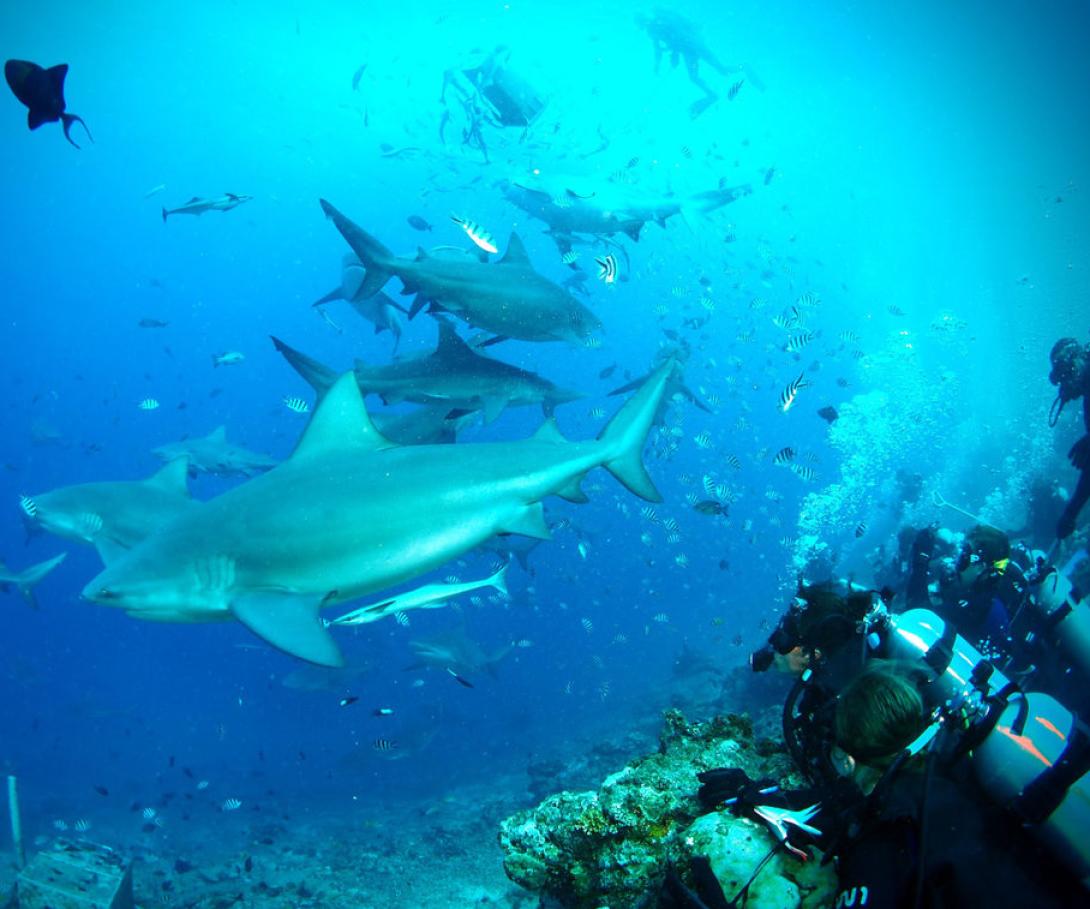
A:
{"points": [[803, 472], [661, 617], [732, 461], [791, 392], [784, 456], [808, 299], [296, 405], [795, 343], [29, 506], [704, 440], [383, 745], [588, 625], [477, 234], [607, 269], [569, 257], [148, 404], [848, 337], [231, 805]]}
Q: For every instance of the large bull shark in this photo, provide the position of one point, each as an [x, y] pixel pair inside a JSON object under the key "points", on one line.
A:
{"points": [[568, 206], [111, 516], [507, 297], [454, 373], [215, 455], [454, 651], [349, 513], [24, 581]]}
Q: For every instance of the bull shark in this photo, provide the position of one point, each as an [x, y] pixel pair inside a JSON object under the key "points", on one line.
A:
{"points": [[454, 373], [378, 308], [198, 206], [111, 516], [215, 455], [24, 581], [507, 297], [568, 206], [454, 651], [350, 513]]}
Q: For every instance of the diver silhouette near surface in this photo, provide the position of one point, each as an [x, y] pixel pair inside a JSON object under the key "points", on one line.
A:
{"points": [[1071, 376]]}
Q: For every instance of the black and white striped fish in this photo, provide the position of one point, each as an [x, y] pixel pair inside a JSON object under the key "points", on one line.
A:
{"points": [[477, 234], [784, 456], [296, 405], [607, 269], [803, 472], [795, 343], [790, 393]]}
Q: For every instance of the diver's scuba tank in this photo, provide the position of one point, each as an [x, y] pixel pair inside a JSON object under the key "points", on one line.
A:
{"points": [[1061, 612], [1030, 753]]}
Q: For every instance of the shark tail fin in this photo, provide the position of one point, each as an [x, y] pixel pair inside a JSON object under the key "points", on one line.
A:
{"points": [[624, 436], [374, 256], [317, 375], [499, 580], [25, 581], [165, 213]]}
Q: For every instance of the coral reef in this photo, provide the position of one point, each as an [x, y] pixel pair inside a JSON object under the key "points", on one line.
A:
{"points": [[611, 847]]}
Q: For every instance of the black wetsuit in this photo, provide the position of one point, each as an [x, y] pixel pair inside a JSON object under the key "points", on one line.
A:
{"points": [[974, 853], [1080, 458]]}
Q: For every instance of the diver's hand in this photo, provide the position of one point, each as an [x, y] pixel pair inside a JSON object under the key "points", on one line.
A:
{"points": [[1080, 453], [732, 786]]}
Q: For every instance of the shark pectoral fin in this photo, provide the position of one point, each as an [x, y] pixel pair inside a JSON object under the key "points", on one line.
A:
{"points": [[290, 623], [109, 550], [493, 407], [573, 491], [633, 231], [530, 522]]}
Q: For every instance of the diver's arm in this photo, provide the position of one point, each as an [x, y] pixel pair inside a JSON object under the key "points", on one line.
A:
{"points": [[877, 869]]}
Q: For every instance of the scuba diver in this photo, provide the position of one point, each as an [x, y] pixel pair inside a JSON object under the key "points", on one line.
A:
{"points": [[489, 93], [674, 34], [1071, 375], [925, 765]]}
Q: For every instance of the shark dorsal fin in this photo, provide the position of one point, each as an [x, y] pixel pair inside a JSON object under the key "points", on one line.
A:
{"points": [[421, 254], [340, 423], [516, 252], [548, 431], [219, 434], [450, 346], [173, 477], [194, 199]]}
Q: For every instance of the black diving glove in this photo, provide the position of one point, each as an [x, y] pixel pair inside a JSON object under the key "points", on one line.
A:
{"points": [[1080, 453], [732, 785]]}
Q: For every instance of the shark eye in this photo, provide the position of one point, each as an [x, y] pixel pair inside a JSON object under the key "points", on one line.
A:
{"points": [[106, 594]]}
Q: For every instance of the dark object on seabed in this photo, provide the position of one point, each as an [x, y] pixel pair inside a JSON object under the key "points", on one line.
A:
{"points": [[828, 414], [42, 91], [75, 875]]}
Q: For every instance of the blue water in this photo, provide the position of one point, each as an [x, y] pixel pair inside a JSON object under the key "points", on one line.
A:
{"points": [[928, 158]]}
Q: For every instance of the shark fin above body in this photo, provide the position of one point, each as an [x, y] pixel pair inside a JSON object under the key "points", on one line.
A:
{"points": [[173, 477], [289, 622], [516, 252], [341, 422], [451, 347]]}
